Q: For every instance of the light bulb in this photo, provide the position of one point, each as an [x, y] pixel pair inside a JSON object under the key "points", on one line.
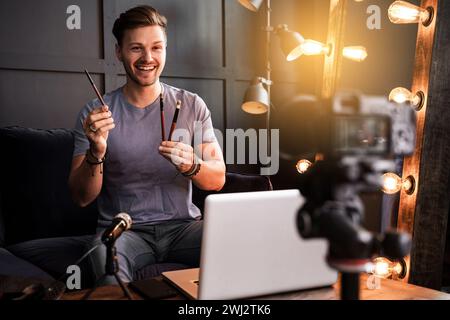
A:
{"points": [[402, 95], [404, 12], [303, 165], [384, 268], [392, 183], [312, 47], [355, 53]]}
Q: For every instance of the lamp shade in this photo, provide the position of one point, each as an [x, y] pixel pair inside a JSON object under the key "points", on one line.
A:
{"points": [[290, 42], [252, 5], [256, 100]]}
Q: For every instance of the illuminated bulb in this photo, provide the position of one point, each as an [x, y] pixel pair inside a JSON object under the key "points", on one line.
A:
{"points": [[303, 165], [355, 53], [402, 95], [392, 183], [385, 268], [312, 47], [405, 12]]}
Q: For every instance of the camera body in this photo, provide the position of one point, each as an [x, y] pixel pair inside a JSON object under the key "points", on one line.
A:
{"points": [[355, 150], [359, 135]]}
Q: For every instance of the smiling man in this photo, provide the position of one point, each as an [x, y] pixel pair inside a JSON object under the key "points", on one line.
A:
{"points": [[121, 161]]}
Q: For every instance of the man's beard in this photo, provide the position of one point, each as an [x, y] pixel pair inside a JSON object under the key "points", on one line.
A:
{"points": [[135, 79]]}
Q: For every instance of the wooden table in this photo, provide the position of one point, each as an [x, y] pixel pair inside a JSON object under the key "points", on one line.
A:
{"points": [[387, 290]]}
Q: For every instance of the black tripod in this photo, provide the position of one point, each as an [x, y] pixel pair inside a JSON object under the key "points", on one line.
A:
{"points": [[350, 271], [351, 247], [111, 269]]}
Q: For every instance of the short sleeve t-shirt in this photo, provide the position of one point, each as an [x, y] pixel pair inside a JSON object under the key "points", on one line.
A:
{"points": [[136, 178]]}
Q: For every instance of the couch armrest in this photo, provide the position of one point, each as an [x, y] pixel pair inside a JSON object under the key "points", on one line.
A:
{"points": [[35, 196], [234, 182]]}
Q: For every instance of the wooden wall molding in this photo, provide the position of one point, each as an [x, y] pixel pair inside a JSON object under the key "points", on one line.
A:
{"points": [[424, 214]]}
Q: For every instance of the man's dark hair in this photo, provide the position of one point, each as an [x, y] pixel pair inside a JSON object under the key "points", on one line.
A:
{"points": [[141, 16]]}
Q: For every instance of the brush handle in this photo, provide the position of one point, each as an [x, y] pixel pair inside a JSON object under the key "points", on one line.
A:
{"points": [[95, 88], [175, 119], [163, 126], [174, 122]]}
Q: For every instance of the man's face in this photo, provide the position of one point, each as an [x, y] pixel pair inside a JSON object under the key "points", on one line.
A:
{"points": [[143, 54]]}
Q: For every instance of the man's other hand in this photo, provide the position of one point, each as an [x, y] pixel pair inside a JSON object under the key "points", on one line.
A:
{"points": [[179, 154]]}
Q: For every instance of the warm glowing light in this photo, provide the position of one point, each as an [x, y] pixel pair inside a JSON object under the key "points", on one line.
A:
{"points": [[392, 183], [385, 268], [312, 47], [290, 41], [294, 54], [355, 53], [303, 165], [402, 95], [405, 12], [381, 268]]}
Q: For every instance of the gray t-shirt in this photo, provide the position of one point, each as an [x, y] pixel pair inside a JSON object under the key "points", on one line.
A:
{"points": [[136, 178]]}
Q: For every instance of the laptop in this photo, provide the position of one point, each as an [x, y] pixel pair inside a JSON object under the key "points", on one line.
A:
{"points": [[251, 247]]}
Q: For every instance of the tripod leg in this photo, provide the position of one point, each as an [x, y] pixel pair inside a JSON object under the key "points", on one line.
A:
{"points": [[88, 294], [124, 288]]}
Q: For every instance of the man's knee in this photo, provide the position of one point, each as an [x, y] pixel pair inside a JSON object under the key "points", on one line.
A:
{"points": [[194, 233]]}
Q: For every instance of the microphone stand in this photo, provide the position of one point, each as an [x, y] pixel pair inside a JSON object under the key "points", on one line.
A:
{"points": [[111, 269]]}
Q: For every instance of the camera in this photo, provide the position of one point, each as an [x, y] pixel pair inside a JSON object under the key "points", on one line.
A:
{"points": [[352, 124], [355, 150], [360, 135]]}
